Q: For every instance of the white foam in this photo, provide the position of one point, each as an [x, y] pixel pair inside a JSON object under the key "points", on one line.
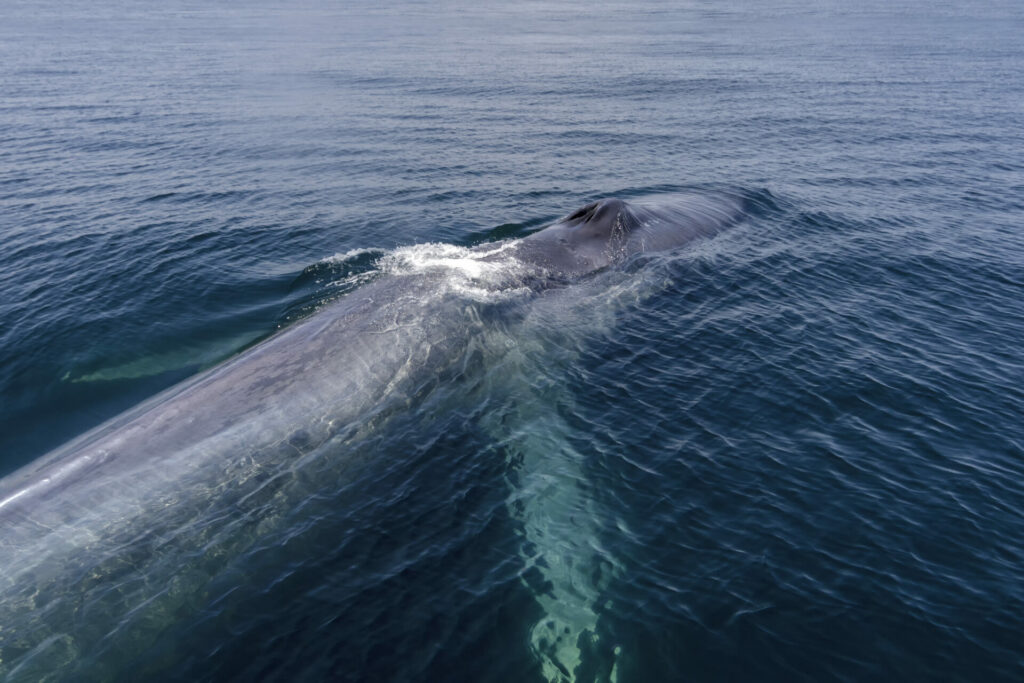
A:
{"points": [[489, 273]]}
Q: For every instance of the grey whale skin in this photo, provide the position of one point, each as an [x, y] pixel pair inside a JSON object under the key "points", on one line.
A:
{"points": [[203, 470]]}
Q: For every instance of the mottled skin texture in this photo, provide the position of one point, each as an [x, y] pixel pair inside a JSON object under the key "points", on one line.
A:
{"points": [[188, 463]]}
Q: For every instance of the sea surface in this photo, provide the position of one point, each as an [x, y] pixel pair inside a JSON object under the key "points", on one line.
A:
{"points": [[791, 452]]}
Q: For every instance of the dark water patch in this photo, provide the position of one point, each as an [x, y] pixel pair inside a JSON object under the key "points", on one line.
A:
{"points": [[117, 118], [159, 197]]}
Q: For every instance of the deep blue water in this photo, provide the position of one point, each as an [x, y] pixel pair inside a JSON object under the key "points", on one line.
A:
{"points": [[792, 452]]}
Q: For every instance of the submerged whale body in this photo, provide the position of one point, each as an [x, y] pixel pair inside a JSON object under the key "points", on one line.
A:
{"points": [[186, 481]]}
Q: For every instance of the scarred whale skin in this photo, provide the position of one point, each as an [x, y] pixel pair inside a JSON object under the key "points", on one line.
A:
{"points": [[183, 465]]}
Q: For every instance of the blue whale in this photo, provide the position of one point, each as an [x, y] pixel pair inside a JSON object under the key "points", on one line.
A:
{"points": [[207, 467]]}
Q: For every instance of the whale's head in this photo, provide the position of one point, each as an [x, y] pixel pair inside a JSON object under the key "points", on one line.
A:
{"points": [[608, 231], [584, 241]]}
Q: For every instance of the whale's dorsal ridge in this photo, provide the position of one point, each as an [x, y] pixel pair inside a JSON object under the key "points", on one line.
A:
{"points": [[606, 231], [596, 209]]}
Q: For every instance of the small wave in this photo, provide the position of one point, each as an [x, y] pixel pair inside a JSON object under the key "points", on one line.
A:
{"points": [[338, 268], [352, 255]]}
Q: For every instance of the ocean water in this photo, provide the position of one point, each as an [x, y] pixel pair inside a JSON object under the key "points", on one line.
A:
{"points": [[794, 451]]}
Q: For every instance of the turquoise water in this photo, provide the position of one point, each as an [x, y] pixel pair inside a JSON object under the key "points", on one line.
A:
{"points": [[791, 452]]}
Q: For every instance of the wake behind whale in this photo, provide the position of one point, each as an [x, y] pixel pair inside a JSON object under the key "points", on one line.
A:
{"points": [[113, 536]]}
